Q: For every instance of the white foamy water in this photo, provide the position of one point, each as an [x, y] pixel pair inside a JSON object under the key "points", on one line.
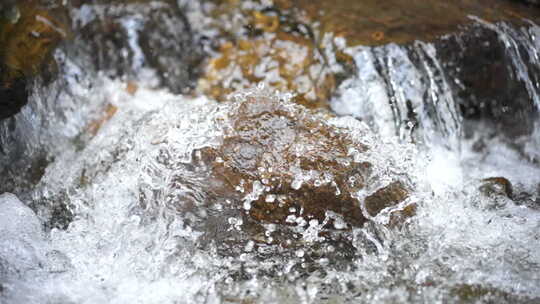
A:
{"points": [[144, 226], [126, 244]]}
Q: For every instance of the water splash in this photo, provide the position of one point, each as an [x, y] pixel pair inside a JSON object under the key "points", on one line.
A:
{"points": [[127, 239]]}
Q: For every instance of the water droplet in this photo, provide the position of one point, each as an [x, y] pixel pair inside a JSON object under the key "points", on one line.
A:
{"points": [[270, 198]]}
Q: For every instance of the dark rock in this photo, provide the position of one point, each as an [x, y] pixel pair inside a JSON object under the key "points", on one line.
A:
{"points": [[491, 88], [486, 74], [497, 186], [13, 96], [125, 37]]}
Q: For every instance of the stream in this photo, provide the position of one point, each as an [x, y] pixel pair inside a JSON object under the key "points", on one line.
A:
{"points": [[174, 197]]}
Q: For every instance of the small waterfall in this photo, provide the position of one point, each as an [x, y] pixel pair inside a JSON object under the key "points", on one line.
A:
{"points": [[405, 88], [418, 91]]}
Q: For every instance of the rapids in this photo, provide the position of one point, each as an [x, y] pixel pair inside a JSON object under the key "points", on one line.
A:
{"points": [[130, 213]]}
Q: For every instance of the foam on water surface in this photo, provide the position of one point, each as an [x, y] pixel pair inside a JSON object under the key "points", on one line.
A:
{"points": [[125, 244], [147, 223]]}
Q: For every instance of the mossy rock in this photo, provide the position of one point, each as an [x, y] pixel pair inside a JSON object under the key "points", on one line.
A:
{"points": [[29, 33]]}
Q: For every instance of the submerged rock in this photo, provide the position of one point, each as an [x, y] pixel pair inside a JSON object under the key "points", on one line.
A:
{"points": [[468, 293], [283, 176], [496, 186], [388, 196], [296, 166], [257, 43]]}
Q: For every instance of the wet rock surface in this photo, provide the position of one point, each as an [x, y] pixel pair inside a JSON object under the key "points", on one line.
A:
{"points": [[266, 44], [492, 85], [126, 37], [497, 186], [486, 75], [148, 189], [281, 166], [372, 22], [52, 51], [29, 33]]}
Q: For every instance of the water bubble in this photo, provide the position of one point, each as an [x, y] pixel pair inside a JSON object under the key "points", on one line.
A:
{"points": [[270, 198]]}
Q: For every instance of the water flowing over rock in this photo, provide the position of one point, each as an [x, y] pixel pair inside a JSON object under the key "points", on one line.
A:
{"points": [[268, 165], [279, 164], [136, 40], [180, 214], [139, 38], [264, 44], [435, 92], [294, 162], [129, 187]]}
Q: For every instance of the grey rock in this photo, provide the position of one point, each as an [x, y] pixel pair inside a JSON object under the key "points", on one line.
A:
{"points": [[127, 37]]}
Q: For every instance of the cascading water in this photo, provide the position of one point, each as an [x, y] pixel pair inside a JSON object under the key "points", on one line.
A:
{"points": [[406, 90], [401, 83], [139, 214]]}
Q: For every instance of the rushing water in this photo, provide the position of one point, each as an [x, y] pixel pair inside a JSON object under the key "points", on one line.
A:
{"points": [[390, 88], [115, 236]]}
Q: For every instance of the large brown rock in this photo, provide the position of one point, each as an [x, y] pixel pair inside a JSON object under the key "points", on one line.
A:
{"points": [[282, 181], [373, 22], [300, 164], [280, 164]]}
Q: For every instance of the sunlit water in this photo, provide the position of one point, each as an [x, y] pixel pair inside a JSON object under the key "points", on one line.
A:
{"points": [[126, 242]]}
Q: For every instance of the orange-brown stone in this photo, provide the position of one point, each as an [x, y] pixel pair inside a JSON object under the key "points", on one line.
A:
{"points": [[293, 167]]}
